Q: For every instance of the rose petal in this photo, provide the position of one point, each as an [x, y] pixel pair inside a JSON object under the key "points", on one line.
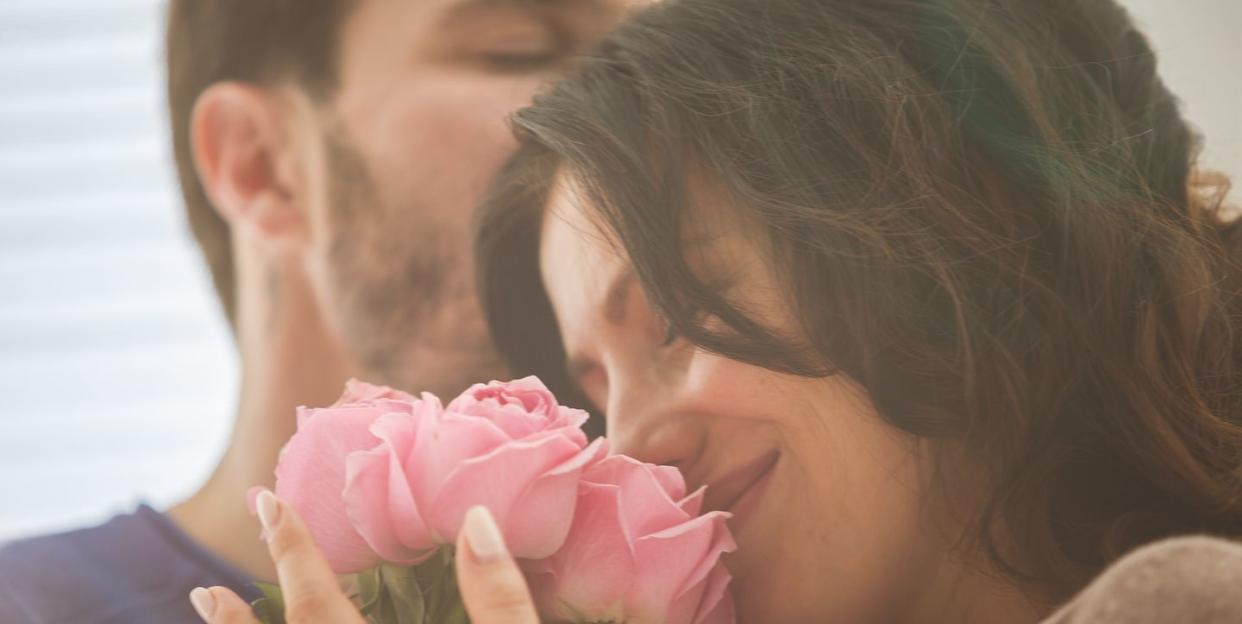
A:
{"points": [[693, 504], [311, 477], [591, 574], [516, 422], [520, 408], [707, 585], [490, 480], [722, 542], [528, 392], [540, 519], [446, 442], [361, 392], [531, 394], [716, 604], [378, 498], [571, 419], [669, 561], [648, 505]]}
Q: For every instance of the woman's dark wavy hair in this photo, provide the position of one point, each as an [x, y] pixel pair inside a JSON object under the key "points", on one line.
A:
{"points": [[986, 214]]}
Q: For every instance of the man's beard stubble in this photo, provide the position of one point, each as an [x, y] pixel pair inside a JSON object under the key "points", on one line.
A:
{"points": [[402, 291]]}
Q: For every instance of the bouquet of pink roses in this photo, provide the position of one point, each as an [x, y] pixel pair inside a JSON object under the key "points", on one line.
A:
{"points": [[384, 480]]}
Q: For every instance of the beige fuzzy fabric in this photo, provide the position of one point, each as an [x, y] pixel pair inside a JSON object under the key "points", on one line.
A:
{"points": [[1191, 580]]}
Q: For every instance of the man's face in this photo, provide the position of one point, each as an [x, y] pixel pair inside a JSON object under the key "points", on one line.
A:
{"points": [[405, 148]]}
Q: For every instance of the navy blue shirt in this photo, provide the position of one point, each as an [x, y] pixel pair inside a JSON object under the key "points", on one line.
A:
{"points": [[136, 568]]}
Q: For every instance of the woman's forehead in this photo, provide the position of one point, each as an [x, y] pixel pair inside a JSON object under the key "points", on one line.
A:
{"points": [[577, 258], [572, 229], [716, 242]]}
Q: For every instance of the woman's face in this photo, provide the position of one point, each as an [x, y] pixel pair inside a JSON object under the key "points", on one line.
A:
{"points": [[826, 498]]}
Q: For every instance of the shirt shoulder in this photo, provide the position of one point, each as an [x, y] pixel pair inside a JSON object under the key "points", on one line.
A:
{"points": [[137, 567], [1184, 579]]}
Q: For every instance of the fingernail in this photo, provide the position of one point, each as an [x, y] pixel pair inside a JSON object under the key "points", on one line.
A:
{"points": [[484, 536], [252, 499], [269, 510], [203, 602]]}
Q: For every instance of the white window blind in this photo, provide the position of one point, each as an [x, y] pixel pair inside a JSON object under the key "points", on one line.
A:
{"points": [[116, 371]]}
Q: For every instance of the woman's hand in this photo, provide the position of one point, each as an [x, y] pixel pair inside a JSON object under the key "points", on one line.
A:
{"points": [[492, 586]]}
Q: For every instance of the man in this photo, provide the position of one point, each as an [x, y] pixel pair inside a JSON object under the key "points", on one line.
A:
{"points": [[330, 152]]}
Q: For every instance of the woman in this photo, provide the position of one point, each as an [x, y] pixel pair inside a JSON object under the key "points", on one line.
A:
{"points": [[923, 290]]}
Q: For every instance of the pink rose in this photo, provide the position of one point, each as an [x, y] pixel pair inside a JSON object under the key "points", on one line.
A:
{"points": [[521, 408], [311, 471], [638, 552], [507, 446], [363, 393]]}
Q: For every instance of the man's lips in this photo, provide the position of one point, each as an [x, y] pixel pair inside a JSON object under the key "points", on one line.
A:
{"points": [[726, 491]]}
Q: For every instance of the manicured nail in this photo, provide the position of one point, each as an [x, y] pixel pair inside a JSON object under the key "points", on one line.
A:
{"points": [[484, 536], [203, 602], [269, 510]]}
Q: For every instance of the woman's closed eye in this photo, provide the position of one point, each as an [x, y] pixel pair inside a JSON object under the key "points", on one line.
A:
{"points": [[670, 334]]}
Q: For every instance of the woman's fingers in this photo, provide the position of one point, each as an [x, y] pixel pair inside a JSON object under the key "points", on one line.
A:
{"points": [[310, 588], [492, 587], [219, 605]]}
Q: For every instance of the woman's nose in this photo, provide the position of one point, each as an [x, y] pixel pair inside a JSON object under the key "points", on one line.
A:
{"points": [[644, 422]]}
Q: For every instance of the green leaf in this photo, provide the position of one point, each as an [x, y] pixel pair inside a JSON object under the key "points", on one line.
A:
{"points": [[403, 590], [369, 589], [422, 594], [270, 609], [455, 614], [439, 581], [384, 612], [453, 610], [431, 576]]}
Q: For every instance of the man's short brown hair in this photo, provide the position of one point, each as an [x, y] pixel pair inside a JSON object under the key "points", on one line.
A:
{"points": [[261, 42]]}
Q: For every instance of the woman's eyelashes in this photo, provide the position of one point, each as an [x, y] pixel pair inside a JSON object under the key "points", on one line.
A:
{"points": [[670, 334]]}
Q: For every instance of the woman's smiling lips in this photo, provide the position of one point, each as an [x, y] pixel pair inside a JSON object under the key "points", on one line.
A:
{"points": [[739, 490]]}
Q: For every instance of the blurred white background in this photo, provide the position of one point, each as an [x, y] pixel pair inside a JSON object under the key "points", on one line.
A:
{"points": [[116, 370]]}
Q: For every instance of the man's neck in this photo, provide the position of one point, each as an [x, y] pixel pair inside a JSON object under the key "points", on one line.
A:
{"points": [[289, 358], [216, 515]]}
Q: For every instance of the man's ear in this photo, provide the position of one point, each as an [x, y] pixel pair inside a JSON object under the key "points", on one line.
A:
{"points": [[247, 160]]}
